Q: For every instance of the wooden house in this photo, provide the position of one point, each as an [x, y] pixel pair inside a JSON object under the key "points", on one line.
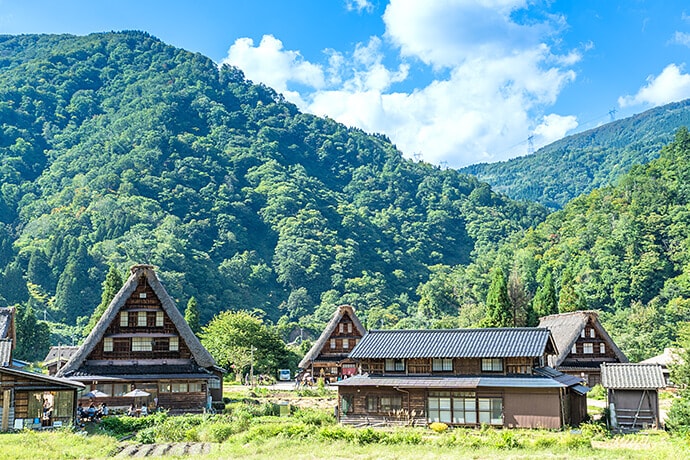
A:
{"points": [[143, 342], [632, 394], [57, 357], [583, 344], [462, 377], [27, 399], [328, 357]]}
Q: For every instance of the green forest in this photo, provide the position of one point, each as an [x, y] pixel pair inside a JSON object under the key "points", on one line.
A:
{"points": [[117, 149]]}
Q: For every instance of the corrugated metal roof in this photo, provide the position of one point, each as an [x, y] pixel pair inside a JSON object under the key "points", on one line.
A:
{"points": [[459, 383], [453, 343], [632, 376], [5, 352], [42, 377]]}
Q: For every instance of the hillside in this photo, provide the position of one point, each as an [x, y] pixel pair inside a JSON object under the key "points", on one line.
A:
{"points": [[580, 163], [118, 149], [623, 250]]}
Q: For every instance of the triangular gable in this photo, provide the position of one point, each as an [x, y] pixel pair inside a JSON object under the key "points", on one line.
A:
{"points": [[202, 357], [338, 315], [566, 328]]}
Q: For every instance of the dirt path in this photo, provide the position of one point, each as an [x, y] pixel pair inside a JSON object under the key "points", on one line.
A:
{"points": [[194, 449]]}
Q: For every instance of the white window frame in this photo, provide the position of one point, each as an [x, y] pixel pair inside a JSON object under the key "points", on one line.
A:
{"points": [[174, 344], [346, 344], [141, 319], [574, 350], [394, 365], [107, 344], [349, 328], [341, 327], [492, 365], [588, 348], [159, 318], [142, 344], [602, 348], [333, 344], [124, 319], [442, 364], [592, 333]]}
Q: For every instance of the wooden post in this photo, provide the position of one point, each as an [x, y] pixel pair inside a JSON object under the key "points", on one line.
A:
{"points": [[6, 398]]}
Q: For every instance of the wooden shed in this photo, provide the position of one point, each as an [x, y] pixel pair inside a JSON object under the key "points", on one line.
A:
{"points": [[30, 400], [633, 395]]}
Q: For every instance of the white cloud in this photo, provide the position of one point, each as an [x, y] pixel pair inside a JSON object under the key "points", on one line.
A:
{"points": [[493, 79], [669, 86], [359, 5], [681, 38]]}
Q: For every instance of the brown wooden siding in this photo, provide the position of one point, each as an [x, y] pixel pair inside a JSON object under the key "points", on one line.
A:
{"points": [[524, 408]]}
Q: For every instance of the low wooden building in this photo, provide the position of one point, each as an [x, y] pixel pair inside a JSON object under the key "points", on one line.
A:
{"points": [[329, 356], [462, 377], [670, 357], [583, 344], [632, 394], [143, 342], [30, 400]]}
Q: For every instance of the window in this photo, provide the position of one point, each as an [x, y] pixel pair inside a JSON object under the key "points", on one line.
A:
{"points": [[332, 344], [492, 365], [395, 364], [195, 387], [124, 319], [179, 387], [602, 348], [159, 319], [464, 409], [574, 350], [142, 344], [390, 403], [107, 344], [349, 328], [141, 318], [346, 344], [174, 344], [439, 406], [442, 364], [588, 348], [120, 389], [582, 333], [341, 327], [491, 411], [214, 384], [372, 404], [592, 333]]}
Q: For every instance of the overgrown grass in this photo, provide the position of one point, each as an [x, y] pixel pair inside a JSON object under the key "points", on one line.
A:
{"points": [[255, 431]]}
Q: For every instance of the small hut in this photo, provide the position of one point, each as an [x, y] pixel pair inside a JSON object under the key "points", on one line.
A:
{"points": [[633, 395]]}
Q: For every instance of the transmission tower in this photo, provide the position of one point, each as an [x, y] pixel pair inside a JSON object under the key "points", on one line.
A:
{"points": [[530, 144], [612, 114]]}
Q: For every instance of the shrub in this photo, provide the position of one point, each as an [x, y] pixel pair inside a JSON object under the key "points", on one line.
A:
{"points": [[597, 392], [574, 441], [508, 440], [336, 432], [404, 436], [438, 427], [368, 436], [315, 417], [147, 436]]}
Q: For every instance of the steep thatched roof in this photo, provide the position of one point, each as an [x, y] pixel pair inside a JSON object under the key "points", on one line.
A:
{"points": [[567, 327], [330, 327], [202, 357]]}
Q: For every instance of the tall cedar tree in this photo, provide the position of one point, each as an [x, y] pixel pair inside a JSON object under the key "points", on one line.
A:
{"points": [[499, 312], [111, 285], [191, 315], [545, 302], [33, 336]]}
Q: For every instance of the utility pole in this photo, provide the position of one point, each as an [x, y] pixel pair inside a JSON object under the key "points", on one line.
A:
{"points": [[251, 366]]}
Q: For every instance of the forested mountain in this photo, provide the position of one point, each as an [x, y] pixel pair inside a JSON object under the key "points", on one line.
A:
{"points": [[623, 250], [578, 164], [118, 149]]}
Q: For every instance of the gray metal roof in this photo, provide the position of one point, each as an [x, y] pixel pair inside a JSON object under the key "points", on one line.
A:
{"points": [[454, 343], [632, 376], [6, 316], [458, 383], [5, 353], [43, 378]]}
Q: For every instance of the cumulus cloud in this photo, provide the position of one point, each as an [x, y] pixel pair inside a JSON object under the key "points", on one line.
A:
{"points": [[669, 86], [492, 79]]}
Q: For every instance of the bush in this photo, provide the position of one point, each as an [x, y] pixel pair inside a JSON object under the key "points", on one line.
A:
{"points": [[124, 425], [574, 441], [438, 427], [335, 433], [508, 440], [315, 417]]}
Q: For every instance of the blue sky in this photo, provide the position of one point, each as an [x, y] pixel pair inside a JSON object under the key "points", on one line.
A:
{"points": [[451, 82]]}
